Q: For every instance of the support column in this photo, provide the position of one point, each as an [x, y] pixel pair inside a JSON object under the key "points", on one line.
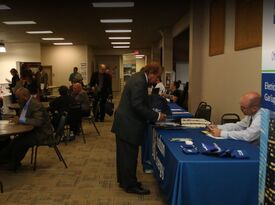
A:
{"points": [[167, 49]]}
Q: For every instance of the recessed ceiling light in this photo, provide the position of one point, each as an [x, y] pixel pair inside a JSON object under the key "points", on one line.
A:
{"points": [[140, 56], [62, 44], [120, 38], [120, 43], [39, 32], [52, 39], [4, 7], [116, 20], [118, 31], [113, 4], [121, 46], [19, 22]]}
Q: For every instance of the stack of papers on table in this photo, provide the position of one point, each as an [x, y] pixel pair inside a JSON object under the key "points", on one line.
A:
{"points": [[168, 125], [194, 122], [210, 135]]}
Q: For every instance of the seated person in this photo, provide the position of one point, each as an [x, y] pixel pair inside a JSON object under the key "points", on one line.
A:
{"points": [[80, 96], [248, 129], [60, 104], [160, 86], [32, 113], [79, 109], [174, 92]]}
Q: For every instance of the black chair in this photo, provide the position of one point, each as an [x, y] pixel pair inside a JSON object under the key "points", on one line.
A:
{"points": [[56, 138], [204, 112], [93, 111], [230, 118], [91, 120], [202, 103]]}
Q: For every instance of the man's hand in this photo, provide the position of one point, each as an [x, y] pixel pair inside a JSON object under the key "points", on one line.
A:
{"points": [[162, 117], [215, 131], [15, 119]]}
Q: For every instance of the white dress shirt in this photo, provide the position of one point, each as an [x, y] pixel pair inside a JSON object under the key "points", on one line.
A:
{"points": [[147, 82], [161, 88], [243, 130]]}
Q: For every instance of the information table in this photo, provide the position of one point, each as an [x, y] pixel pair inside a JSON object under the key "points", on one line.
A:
{"points": [[198, 179]]}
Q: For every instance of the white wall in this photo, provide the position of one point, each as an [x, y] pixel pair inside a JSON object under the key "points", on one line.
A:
{"points": [[63, 59], [220, 80], [23, 52]]}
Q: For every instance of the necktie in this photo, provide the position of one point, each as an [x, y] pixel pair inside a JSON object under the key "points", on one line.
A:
{"points": [[250, 122]]}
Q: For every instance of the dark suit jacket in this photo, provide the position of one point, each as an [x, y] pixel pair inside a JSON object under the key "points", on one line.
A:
{"points": [[38, 117], [133, 111], [61, 103], [106, 89]]}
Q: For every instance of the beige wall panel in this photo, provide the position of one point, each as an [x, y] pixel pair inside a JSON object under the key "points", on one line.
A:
{"points": [[221, 80], [63, 59]]}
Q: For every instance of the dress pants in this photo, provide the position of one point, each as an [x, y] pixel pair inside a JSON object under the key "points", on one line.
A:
{"points": [[126, 157], [100, 99], [16, 150]]}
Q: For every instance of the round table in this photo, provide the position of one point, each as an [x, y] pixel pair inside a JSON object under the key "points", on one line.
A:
{"points": [[16, 106], [7, 128]]}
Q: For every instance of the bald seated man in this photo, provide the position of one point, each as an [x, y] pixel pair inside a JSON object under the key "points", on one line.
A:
{"points": [[80, 96], [248, 129], [32, 113]]}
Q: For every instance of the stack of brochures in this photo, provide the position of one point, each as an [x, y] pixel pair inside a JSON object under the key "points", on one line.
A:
{"points": [[194, 122], [169, 125]]}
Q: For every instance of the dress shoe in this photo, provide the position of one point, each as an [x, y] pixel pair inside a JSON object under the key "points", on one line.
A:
{"points": [[14, 166], [138, 184], [138, 190]]}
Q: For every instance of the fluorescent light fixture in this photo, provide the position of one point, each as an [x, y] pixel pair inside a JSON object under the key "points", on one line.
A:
{"points": [[121, 46], [120, 38], [120, 43], [53, 39], [2, 48], [19, 22], [113, 4], [118, 31], [116, 20], [62, 44], [139, 56], [4, 7], [39, 32]]}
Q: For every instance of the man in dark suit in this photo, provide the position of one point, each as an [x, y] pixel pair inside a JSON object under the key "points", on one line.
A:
{"points": [[129, 125], [32, 113], [101, 86]]}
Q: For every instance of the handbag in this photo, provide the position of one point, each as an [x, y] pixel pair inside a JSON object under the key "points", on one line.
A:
{"points": [[109, 107]]}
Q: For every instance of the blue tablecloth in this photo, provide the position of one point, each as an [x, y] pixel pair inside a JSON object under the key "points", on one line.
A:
{"points": [[200, 179], [178, 112], [146, 149]]}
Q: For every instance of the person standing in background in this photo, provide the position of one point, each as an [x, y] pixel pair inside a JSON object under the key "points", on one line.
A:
{"points": [[76, 77], [42, 80], [13, 83], [101, 86], [129, 126]]}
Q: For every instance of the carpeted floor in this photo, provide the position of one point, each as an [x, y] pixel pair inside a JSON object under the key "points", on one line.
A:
{"points": [[89, 180]]}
